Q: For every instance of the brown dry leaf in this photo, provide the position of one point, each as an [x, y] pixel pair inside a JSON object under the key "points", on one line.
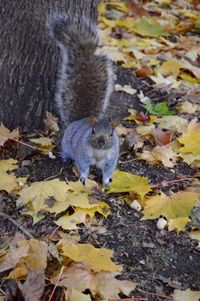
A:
{"points": [[135, 10], [51, 123], [13, 256], [187, 295], [161, 137], [164, 154], [103, 284], [6, 134], [77, 276], [32, 289], [108, 287], [97, 259], [26, 255], [173, 123], [144, 71], [188, 107]]}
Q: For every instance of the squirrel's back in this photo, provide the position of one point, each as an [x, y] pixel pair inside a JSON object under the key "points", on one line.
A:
{"points": [[85, 80]]}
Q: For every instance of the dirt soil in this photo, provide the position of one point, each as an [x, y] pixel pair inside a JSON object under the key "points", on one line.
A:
{"points": [[159, 261]]}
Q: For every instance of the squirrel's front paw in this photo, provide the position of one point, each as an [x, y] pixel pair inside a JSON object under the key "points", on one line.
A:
{"points": [[107, 185], [82, 180]]}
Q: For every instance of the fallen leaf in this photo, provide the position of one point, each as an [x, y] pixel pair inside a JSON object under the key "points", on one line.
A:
{"points": [[188, 107], [126, 182], [32, 289], [8, 182], [6, 165], [164, 154], [191, 142], [158, 109], [108, 287], [173, 123], [148, 28], [126, 88], [187, 295], [13, 256], [175, 208], [143, 71], [6, 134], [195, 234], [97, 259], [76, 276], [171, 67], [162, 138], [78, 296]]}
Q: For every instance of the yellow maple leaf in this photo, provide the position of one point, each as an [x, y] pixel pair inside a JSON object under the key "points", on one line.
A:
{"points": [[191, 143], [6, 165], [126, 182], [69, 222], [171, 67], [175, 208], [45, 144], [6, 134], [8, 182], [38, 192], [97, 259]]}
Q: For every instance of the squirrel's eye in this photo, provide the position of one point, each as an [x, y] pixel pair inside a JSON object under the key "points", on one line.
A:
{"points": [[111, 134]]}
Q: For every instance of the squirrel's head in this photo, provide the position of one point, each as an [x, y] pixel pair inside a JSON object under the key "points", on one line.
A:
{"points": [[102, 133]]}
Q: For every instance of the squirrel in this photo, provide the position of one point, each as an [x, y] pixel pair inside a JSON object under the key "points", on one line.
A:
{"points": [[84, 85]]}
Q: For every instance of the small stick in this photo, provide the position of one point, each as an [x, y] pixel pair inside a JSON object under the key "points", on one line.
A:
{"points": [[172, 181], [20, 227], [54, 176], [53, 291], [154, 294]]}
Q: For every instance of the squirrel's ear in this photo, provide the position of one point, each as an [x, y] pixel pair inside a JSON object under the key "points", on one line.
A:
{"points": [[92, 120]]}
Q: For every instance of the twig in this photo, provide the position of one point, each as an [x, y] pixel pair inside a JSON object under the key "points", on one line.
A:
{"points": [[20, 227], [31, 146], [154, 294], [52, 234], [121, 162], [53, 291], [54, 176], [165, 183]]}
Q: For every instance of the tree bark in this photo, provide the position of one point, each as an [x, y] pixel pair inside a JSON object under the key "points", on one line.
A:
{"points": [[29, 58]]}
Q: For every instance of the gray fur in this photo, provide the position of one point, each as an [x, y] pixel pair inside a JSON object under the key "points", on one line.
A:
{"points": [[85, 83], [85, 80], [76, 145]]}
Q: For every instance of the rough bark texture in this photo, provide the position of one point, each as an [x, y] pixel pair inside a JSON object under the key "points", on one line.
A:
{"points": [[29, 58]]}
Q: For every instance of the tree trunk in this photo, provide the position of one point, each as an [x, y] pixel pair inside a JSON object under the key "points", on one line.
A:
{"points": [[29, 58]]}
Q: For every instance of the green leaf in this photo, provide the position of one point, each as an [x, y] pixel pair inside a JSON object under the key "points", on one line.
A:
{"points": [[145, 28], [158, 109]]}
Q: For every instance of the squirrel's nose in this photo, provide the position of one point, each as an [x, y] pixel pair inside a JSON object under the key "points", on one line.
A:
{"points": [[101, 141]]}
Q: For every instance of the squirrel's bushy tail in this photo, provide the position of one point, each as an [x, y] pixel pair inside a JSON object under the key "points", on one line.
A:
{"points": [[77, 33], [85, 80]]}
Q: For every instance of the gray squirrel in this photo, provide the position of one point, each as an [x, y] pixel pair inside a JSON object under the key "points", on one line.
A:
{"points": [[85, 83]]}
